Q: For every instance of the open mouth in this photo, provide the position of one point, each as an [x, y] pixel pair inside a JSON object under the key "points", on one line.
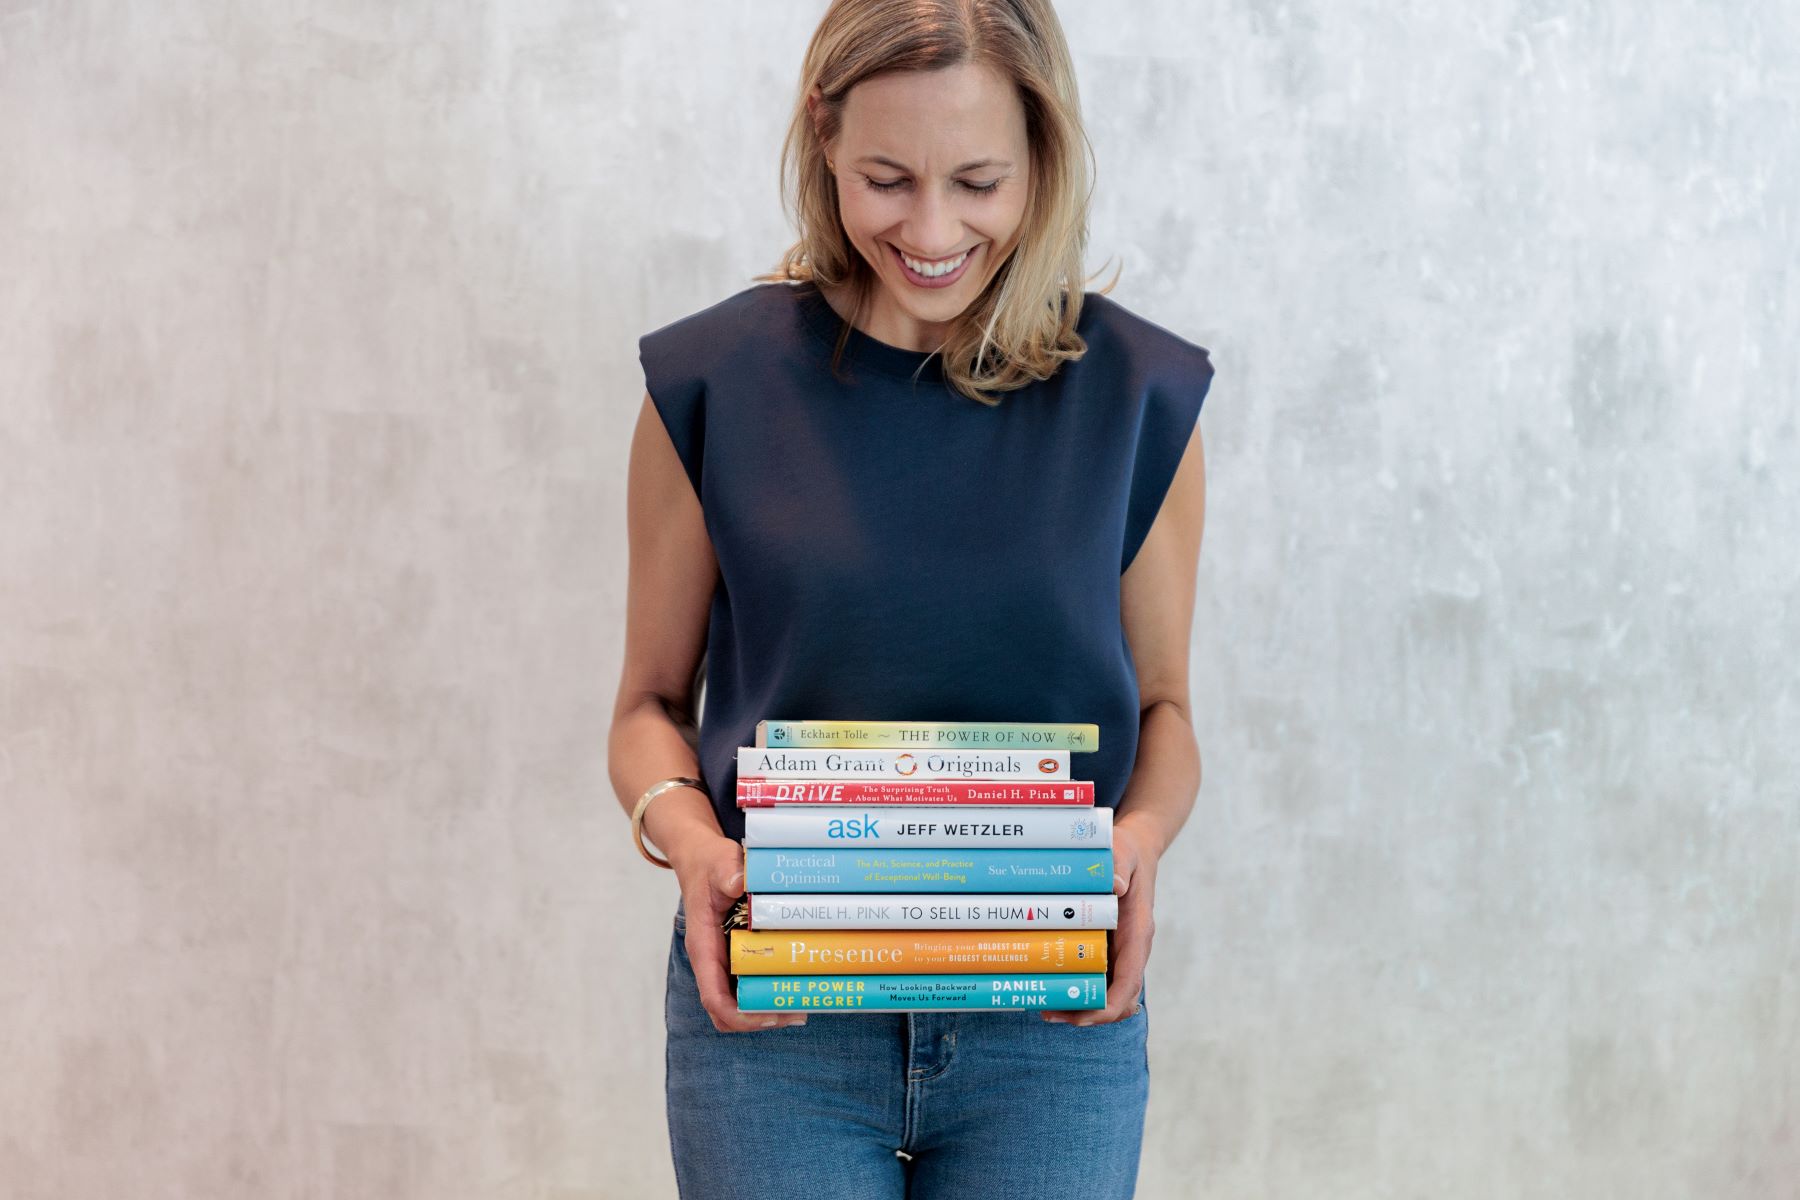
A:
{"points": [[938, 274]]}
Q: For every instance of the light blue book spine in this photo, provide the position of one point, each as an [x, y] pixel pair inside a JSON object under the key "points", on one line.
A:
{"points": [[875, 993], [830, 869]]}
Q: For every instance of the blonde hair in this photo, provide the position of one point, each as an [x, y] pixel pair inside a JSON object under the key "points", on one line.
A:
{"points": [[1022, 326]]}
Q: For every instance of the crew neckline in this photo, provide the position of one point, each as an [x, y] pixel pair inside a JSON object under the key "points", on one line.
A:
{"points": [[863, 349]]}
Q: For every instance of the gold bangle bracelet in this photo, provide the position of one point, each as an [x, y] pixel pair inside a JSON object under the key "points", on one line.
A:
{"points": [[651, 793]]}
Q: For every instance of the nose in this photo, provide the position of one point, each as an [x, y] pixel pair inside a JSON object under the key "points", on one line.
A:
{"points": [[933, 228]]}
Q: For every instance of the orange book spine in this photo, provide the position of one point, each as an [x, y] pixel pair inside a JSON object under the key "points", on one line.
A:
{"points": [[915, 951]]}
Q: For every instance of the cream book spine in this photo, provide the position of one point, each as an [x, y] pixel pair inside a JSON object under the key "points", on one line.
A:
{"points": [[757, 763]]}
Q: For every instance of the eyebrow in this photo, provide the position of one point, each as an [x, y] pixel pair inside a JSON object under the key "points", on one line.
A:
{"points": [[977, 165]]}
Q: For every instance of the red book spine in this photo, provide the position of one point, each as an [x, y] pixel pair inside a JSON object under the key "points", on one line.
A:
{"points": [[759, 793]]}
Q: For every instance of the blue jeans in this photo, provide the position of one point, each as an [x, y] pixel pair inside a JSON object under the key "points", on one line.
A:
{"points": [[892, 1105]]}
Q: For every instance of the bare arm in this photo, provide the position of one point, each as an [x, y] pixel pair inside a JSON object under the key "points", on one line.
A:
{"points": [[1156, 597], [672, 573], [655, 728]]}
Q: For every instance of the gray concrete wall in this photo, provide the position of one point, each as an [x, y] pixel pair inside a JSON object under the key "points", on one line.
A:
{"points": [[317, 368]]}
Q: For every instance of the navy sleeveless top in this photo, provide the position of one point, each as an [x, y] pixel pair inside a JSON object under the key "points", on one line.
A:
{"points": [[890, 549]]}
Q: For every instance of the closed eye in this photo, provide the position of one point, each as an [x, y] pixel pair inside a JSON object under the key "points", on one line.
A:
{"points": [[895, 184]]}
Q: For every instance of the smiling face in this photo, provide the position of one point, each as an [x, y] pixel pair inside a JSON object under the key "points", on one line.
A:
{"points": [[933, 172]]}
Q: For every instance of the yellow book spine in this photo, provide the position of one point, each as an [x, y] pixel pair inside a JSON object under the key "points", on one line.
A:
{"points": [[910, 951]]}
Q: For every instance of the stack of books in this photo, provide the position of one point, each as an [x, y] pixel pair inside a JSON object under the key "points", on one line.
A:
{"points": [[894, 865]]}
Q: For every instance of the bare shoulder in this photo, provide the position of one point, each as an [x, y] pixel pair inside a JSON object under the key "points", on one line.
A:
{"points": [[671, 572], [1156, 594]]}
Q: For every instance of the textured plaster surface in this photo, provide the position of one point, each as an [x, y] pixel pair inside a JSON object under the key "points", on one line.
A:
{"points": [[317, 374]]}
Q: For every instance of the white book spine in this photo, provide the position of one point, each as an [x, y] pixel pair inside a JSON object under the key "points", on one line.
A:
{"points": [[758, 763], [929, 825], [826, 910]]}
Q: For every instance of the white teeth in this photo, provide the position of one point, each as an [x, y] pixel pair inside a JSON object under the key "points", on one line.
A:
{"points": [[933, 270]]}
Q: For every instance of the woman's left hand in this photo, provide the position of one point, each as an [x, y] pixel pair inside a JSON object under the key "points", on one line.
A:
{"points": [[1134, 882]]}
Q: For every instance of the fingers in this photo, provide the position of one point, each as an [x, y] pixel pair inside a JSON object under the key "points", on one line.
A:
{"points": [[1131, 865], [1129, 949], [1121, 1002], [709, 951]]}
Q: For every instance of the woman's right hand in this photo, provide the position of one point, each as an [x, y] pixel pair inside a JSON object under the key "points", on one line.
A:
{"points": [[710, 868]]}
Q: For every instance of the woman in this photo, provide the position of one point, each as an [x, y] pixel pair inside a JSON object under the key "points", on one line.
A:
{"points": [[894, 480]]}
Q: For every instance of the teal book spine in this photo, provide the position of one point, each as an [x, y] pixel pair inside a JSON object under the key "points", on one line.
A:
{"points": [[942, 993], [830, 869]]}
